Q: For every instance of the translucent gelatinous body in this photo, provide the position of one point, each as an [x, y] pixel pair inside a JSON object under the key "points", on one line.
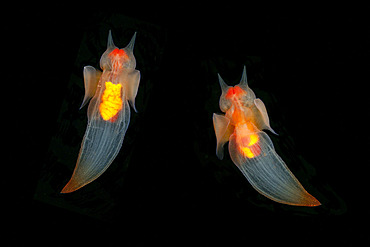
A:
{"points": [[108, 113]]}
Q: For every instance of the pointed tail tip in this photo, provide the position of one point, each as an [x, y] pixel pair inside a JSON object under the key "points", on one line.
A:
{"points": [[315, 203], [66, 190], [311, 202], [304, 200], [69, 188]]}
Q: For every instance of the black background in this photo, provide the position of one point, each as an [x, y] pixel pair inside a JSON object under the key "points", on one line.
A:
{"points": [[166, 186]]}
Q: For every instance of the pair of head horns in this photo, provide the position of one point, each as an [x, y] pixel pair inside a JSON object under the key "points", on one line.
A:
{"points": [[130, 45], [243, 81]]}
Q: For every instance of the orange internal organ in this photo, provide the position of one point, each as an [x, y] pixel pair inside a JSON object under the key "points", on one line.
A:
{"points": [[111, 101], [250, 146]]}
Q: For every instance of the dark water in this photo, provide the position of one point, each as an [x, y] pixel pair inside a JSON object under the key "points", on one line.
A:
{"points": [[167, 186]]}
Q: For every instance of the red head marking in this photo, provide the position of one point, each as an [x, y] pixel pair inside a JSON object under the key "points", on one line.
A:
{"points": [[118, 57], [234, 91], [118, 53]]}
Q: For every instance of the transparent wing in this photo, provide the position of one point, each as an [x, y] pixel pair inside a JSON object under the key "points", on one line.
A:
{"points": [[131, 79], [265, 118], [223, 131], [91, 79], [256, 158], [100, 146]]}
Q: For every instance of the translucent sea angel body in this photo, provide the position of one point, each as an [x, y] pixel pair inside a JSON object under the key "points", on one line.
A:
{"points": [[251, 149], [108, 112]]}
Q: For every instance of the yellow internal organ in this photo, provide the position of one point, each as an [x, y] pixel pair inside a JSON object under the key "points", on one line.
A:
{"points": [[253, 139], [111, 101], [247, 151]]}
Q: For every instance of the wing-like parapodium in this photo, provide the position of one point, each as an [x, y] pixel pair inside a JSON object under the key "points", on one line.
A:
{"points": [[131, 79], [91, 79]]}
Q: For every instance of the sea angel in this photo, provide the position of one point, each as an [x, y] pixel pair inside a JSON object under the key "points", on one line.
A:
{"points": [[108, 112], [251, 149]]}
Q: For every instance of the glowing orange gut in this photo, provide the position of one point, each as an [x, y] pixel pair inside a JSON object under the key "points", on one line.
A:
{"points": [[241, 117]]}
